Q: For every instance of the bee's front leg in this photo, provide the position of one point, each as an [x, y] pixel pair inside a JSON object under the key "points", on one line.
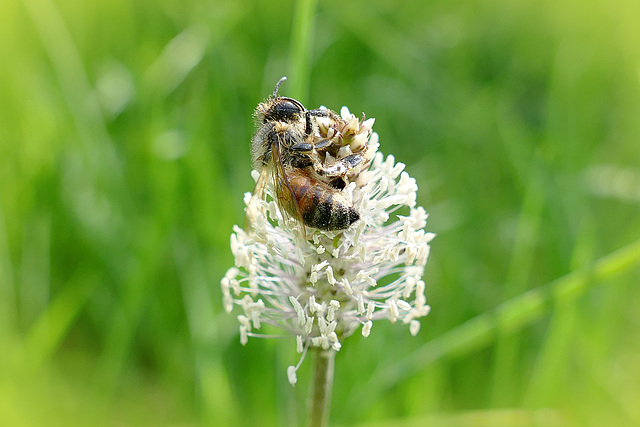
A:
{"points": [[324, 112], [302, 147], [337, 171], [308, 147]]}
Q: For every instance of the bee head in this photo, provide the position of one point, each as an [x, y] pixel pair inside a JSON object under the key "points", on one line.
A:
{"points": [[285, 110], [282, 109]]}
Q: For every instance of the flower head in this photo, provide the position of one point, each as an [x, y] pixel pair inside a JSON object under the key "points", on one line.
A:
{"points": [[323, 286]]}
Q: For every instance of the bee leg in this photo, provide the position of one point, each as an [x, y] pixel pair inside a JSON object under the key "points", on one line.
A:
{"points": [[301, 147], [339, 168], [319, 112], [323, 112], [352, 161], [322, 144], [336, 169]]}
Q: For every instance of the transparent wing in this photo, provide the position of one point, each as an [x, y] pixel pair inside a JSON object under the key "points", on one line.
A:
{"points": [[285, 198]]}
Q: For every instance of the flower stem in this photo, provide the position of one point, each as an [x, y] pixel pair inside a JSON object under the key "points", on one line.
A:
{"points": [[321, 392], [301, 47]]}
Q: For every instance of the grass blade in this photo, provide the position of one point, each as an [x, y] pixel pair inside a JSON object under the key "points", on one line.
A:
{"points": [[505, 319]]}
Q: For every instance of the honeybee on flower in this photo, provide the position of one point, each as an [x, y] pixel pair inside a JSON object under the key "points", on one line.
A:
{"points": [[322, 285], [308, 156]]}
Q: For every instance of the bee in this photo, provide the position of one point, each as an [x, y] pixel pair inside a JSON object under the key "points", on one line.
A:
{"points": [[288, 150]]}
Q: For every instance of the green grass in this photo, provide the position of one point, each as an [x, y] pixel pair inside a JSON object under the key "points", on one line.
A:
{"points": [[124, 155]]}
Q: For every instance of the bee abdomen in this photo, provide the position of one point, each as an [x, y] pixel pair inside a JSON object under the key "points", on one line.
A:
{"points": [[331, 211], [322, 206]]}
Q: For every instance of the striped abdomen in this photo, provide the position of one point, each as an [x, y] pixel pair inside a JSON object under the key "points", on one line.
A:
{"points": [[321, 206]]}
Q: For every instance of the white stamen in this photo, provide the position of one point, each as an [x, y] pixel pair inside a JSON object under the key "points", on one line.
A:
{"points": [[414, 327], [291, 375], [366, 328]]}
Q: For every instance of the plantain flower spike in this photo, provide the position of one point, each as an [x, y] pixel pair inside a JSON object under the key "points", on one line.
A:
{"points": [[319, 287]]}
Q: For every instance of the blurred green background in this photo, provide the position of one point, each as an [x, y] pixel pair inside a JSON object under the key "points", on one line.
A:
{"points": [[124, 155]]}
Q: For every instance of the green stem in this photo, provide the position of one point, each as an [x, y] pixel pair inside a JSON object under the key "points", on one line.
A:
{"points": [[321, 392], [300, 49]]}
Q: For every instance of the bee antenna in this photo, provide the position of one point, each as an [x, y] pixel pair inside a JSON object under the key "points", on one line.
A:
{"points": [[275, 91]]}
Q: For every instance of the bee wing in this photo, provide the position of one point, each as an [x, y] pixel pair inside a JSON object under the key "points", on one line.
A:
{"points": [[285, 198]]}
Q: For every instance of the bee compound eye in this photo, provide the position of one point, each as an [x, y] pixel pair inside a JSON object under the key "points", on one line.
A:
{"points": [[286, 109]]}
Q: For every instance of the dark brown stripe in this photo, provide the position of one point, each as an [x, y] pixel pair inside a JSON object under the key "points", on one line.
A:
{"points": [[322, 217]]}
